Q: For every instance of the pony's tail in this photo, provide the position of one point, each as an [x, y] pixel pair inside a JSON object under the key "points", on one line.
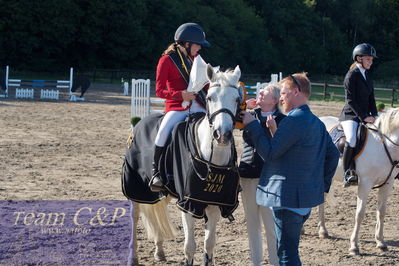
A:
{"points": [[156, 220]]}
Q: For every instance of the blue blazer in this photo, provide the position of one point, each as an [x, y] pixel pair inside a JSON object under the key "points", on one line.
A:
{"points": [[299, 161]]}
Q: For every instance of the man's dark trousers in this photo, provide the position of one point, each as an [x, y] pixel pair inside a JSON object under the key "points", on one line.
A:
{"points": [[288, 226]]}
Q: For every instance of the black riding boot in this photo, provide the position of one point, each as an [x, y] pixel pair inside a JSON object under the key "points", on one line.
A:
{"points": [[350, 176], [156, 182]]}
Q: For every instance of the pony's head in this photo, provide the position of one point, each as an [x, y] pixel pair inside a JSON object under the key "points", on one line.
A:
{"points": [[388, 122], [224, 97]]}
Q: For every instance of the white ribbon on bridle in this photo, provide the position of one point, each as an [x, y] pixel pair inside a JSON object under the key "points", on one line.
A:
{"points": [[198, 77]]}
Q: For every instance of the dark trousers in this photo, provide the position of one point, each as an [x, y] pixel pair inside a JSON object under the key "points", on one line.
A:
{"points": [[288, 226]]}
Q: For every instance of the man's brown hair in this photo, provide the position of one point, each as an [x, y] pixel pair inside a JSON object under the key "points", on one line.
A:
{"points": [[299, 80]]}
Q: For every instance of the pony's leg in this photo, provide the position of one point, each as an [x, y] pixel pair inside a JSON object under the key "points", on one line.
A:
{"points": [[323, 233], [213, 214], [159, 254], [189, 238], [383, 194], [362, 195], [134, 218]]}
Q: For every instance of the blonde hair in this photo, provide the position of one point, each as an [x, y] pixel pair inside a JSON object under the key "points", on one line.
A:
{"points": [[353, 65], [170, 49], [299, 80]]}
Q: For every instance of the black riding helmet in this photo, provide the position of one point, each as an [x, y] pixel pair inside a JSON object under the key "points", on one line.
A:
{"points": [[192, 33], [362, 50]]}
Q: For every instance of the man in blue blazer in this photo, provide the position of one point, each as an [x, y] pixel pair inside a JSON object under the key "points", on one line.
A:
{"points": [[299, 163]]}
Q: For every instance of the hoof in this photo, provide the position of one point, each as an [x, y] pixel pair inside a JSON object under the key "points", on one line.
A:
{"points": [[323, 235], [187, 263], [207, 261], [160, 256], [354, 252], [382, 247]]}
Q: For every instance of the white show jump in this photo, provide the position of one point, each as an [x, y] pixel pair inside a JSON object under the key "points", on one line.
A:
{"points": [[141, 100], [49, 89]]}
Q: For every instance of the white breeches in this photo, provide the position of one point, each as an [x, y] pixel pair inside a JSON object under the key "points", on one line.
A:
{"points": [[171, 118], [255, 216], [350, 130]]}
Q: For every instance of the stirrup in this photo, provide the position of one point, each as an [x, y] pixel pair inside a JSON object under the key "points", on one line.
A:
{"points": [[350, 178], [156, 184]]}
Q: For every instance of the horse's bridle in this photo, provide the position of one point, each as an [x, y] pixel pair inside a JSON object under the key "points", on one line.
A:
{"points": [[383, 138], [211, 117]]}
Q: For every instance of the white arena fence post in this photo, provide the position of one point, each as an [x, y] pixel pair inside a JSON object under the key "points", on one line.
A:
{"points": [[254, 90], [274, 78], [140, 104]]}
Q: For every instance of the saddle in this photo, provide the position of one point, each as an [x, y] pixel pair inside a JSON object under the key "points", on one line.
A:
{"points": [[338, 137]]}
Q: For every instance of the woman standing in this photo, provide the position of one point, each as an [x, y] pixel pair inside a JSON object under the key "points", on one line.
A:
{"points": [[250, 168], [359, 105], [172, 78]]}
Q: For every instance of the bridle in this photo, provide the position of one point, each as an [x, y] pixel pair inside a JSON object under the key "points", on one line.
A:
{"points": [[383, 138], [211, 117]]}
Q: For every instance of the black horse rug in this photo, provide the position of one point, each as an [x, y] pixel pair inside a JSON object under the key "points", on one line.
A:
{"points": [[195, 182]]}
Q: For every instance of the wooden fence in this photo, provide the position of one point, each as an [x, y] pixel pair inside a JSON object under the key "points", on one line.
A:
{"points": [[328, 92]]}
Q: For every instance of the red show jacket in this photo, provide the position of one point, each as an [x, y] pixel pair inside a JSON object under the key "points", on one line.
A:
{"points": [[169, 84]]}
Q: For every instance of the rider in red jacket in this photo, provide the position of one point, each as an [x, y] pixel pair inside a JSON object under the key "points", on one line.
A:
{"points": [[172, 78]]}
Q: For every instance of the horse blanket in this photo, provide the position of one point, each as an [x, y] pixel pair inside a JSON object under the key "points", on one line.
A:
{"points": [[194, 182]]}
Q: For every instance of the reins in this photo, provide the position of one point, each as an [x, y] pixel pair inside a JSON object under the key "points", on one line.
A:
{"points": [[383, 137], [231, 164]]}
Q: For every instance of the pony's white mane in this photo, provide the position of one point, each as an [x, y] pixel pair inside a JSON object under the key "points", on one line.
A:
{"points": [[388, 121]]}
